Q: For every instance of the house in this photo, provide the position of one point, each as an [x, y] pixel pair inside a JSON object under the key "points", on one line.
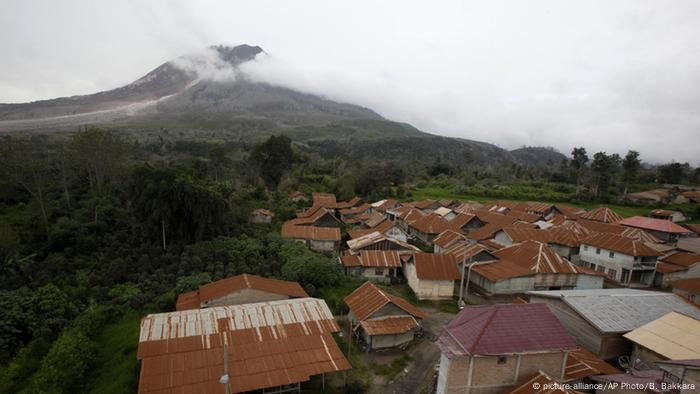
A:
{"points": [[694, 227], [325, 200], [664, 214], [447, 239], [508, 236], [239, 289], [675, 266], [386, 227], [598, 319], [432, 276], [635, 382], [692, 196], [602, 214], [261, 215], [625, 260], [664, 230], [531, 265], [298, 196], [353, 202], [427, 227], [350, 213], [378, 241], [384, 205], [688, 289], [491, 348], [267, 345], [688, 372], [654, 196], [382, 320], [542, 209], [322, 239], [320, 217], [426, 206], [376, 265], [674, 336]]}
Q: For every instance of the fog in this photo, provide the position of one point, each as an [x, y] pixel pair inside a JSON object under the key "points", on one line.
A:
{"points": [[610, 76]]}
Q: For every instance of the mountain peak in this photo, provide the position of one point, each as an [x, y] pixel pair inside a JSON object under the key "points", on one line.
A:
{"points": [[238, 54]]}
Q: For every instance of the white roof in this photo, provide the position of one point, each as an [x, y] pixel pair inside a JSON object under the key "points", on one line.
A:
{"points": [[378, 203], [442, 211], [197, 322], [620, 310]]}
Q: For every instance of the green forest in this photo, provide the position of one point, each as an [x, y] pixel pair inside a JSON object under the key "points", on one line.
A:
{"points": [[98, 229]]}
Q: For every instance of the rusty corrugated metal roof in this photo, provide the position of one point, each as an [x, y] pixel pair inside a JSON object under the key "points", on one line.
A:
{"points": [[581, 363], [602, 214], [270, 344], [290, 230], [660, 225], [389, 325], [436, 266], [618, 243], [368, 298], [541, 383]]}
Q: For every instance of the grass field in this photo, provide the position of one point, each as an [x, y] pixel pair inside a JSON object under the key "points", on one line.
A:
{"points": [[116, 367]]}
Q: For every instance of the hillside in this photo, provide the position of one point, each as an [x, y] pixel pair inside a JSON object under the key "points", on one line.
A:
{"points": [[208, 92]]}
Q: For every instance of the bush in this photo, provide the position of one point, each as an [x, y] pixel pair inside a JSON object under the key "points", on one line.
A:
{"points": [[65, 366]]}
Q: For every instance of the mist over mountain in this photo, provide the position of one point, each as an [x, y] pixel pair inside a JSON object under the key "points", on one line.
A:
{"points": [[209, 91]]}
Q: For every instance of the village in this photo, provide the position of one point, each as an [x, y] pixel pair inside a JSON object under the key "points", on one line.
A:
{"points": [[465, 297]]}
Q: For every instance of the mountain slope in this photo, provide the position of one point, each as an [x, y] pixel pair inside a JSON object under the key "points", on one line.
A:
{"points": [[208, 92]]}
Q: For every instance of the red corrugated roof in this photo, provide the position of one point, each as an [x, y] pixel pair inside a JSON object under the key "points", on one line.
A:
{"points": [[684, 259], [368, 299], [505, 329], [289, 230], [447, 237], [581, 363], [220, 288], [660, 225], [691, 284], [602, 214], [436, 266], [373, 258], [617, 243], [389, 325]]}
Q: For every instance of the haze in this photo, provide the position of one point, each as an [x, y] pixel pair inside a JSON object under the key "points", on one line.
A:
{"points": [[610, 76]]}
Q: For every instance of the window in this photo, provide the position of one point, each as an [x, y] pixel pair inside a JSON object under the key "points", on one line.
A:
{"points": [[611, 254], [585, 247], [592, 266], [612, 274], [379, 271], [600, 268], [597, 250], [636, 258], [502, 360]]}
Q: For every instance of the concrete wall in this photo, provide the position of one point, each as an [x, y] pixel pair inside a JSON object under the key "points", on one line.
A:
{"points": [[618, 262], [428, 289], [245, 296], [323, 246], [493, 374], [589, 282], [387, 341]]}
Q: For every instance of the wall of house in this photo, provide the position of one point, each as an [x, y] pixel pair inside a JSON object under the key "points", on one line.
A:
{"points": [[648, 356], [323, 246], [397, 234], [547, 281], [502, 238], [245, 296], [614, 345], [387, 341], [617, 262], [694, 298], [585, 334], [371, 274], [493, 374], [428, 289], [562, 250], [662, 280], [589, 281]]}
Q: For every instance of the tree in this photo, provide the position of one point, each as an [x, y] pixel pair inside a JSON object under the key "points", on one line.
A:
{"points": [[65, 367], [604, 167], [101, 155], [312, 270], [54, 307], [26, 162], [579, 158], [630, 167], [673, 172], [273, 158]]}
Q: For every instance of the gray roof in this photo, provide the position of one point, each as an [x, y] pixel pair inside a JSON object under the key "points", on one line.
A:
{"points": [[620, 310]]}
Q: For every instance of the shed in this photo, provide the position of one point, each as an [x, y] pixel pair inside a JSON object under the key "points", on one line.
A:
{"points": [[382, 320], [674, 336], [376, 265], [432, 276]]}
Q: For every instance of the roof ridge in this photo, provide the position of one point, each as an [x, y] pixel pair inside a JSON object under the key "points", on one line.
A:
{"points": [[483, 329]]}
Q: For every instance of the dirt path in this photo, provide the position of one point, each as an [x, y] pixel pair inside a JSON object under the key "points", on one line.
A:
{"points": [[418, 376]]}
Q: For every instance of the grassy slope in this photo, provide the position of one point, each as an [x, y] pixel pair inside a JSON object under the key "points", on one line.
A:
{"points": [[116, 368]]}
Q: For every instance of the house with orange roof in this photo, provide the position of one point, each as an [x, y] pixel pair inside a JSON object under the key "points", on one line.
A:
{"points": [[664, 230], [381, 320], [531, 265], [376, 265], [627, 261], [676, 265], [239, 289], [688, 288], [432, 276]]}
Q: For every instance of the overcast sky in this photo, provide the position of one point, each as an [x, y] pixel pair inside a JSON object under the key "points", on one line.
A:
{"points": [[608, 75]]}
